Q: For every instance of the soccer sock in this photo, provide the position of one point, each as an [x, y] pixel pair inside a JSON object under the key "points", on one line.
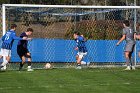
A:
{"points": [[78, 64], [132, 61], [1, 66], [29, 64], [128, 61], [4, 62], [21, 65]]}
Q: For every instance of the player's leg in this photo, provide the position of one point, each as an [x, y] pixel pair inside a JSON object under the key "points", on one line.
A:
{"points": [[28, 56], [77, 56], [1, 56], [23, 58], [127, 53], [132, 59], [1, 53], [6, 60], [6, 57], [21, 53], [79, 59], [79, 63]]}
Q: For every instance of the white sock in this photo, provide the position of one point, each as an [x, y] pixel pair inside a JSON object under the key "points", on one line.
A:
{"points": [[29, 67], [4, 61], [128, 66]]}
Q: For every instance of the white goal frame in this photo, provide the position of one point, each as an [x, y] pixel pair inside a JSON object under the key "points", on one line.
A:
{"points": [[66, 6]]}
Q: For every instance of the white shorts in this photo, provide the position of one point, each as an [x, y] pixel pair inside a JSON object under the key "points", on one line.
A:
{"points": [[81, 54], [5, 52]]}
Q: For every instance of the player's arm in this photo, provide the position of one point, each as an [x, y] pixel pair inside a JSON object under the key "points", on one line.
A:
{"points": [[19, 38], [15, 37], [123, 38], [136, 36], [76, 48], [84, 38]]}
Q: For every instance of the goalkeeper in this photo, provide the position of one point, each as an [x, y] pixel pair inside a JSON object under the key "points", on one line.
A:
{"points": [[129, 36]]}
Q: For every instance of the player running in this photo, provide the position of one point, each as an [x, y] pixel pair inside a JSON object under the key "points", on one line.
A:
{"points": [[81, 47], [7, 43], [23, 51], [129, 36]]}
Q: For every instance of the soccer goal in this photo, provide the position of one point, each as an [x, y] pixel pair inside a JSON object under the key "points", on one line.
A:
{"points": [[54, 26]]}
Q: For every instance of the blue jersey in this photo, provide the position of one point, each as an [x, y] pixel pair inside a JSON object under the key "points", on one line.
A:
{"points": [[81, 44], [8, 39]]}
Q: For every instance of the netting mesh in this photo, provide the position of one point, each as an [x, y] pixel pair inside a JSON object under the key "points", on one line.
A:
{"points": [[53, 33]]}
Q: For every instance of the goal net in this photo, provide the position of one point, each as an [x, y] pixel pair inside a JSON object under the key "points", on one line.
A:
{"points": [[54, 26]]}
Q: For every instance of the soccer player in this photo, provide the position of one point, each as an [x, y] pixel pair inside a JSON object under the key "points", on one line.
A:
{"points": [[7, 43], [129, 36], [23, 51], [138, 36], [81, 47]]}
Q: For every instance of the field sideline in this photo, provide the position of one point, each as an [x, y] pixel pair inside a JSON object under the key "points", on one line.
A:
{"points": [[109, 80]]}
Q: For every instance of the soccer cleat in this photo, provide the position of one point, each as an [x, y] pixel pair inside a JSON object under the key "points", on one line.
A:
{"points": [[128, 68], [30, 69], [20, 68], [78, 67], [1, 66], [133, 68]]}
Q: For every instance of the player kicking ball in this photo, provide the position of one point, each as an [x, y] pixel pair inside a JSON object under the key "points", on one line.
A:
{"points": [[81, 47], [129, 36], [7, 42], [22, 50]]}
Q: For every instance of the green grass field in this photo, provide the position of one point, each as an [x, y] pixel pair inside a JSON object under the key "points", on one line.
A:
{"points": [[113, 80]]}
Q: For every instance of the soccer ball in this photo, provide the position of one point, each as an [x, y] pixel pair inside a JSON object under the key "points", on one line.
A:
{"points": [[47, 66]]}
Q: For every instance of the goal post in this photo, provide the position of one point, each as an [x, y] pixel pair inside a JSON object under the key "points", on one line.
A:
{"points": [[54, 26]]}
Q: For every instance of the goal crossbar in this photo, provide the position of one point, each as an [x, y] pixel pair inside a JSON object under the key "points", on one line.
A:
{"points": [[68, 6]]}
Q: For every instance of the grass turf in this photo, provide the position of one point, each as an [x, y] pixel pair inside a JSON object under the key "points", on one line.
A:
{"points": [[71, 81]]}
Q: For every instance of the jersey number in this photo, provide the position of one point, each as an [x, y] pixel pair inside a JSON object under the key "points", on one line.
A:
{"points": [[7, 37], [130, 30]]}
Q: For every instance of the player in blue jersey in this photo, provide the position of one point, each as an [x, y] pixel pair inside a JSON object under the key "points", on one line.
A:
{"points": [[23, 51], [129, 36], [81, 47], [7, 43]]}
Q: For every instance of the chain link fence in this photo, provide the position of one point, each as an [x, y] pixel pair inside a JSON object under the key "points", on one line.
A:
{"points": [[53, 34]]}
